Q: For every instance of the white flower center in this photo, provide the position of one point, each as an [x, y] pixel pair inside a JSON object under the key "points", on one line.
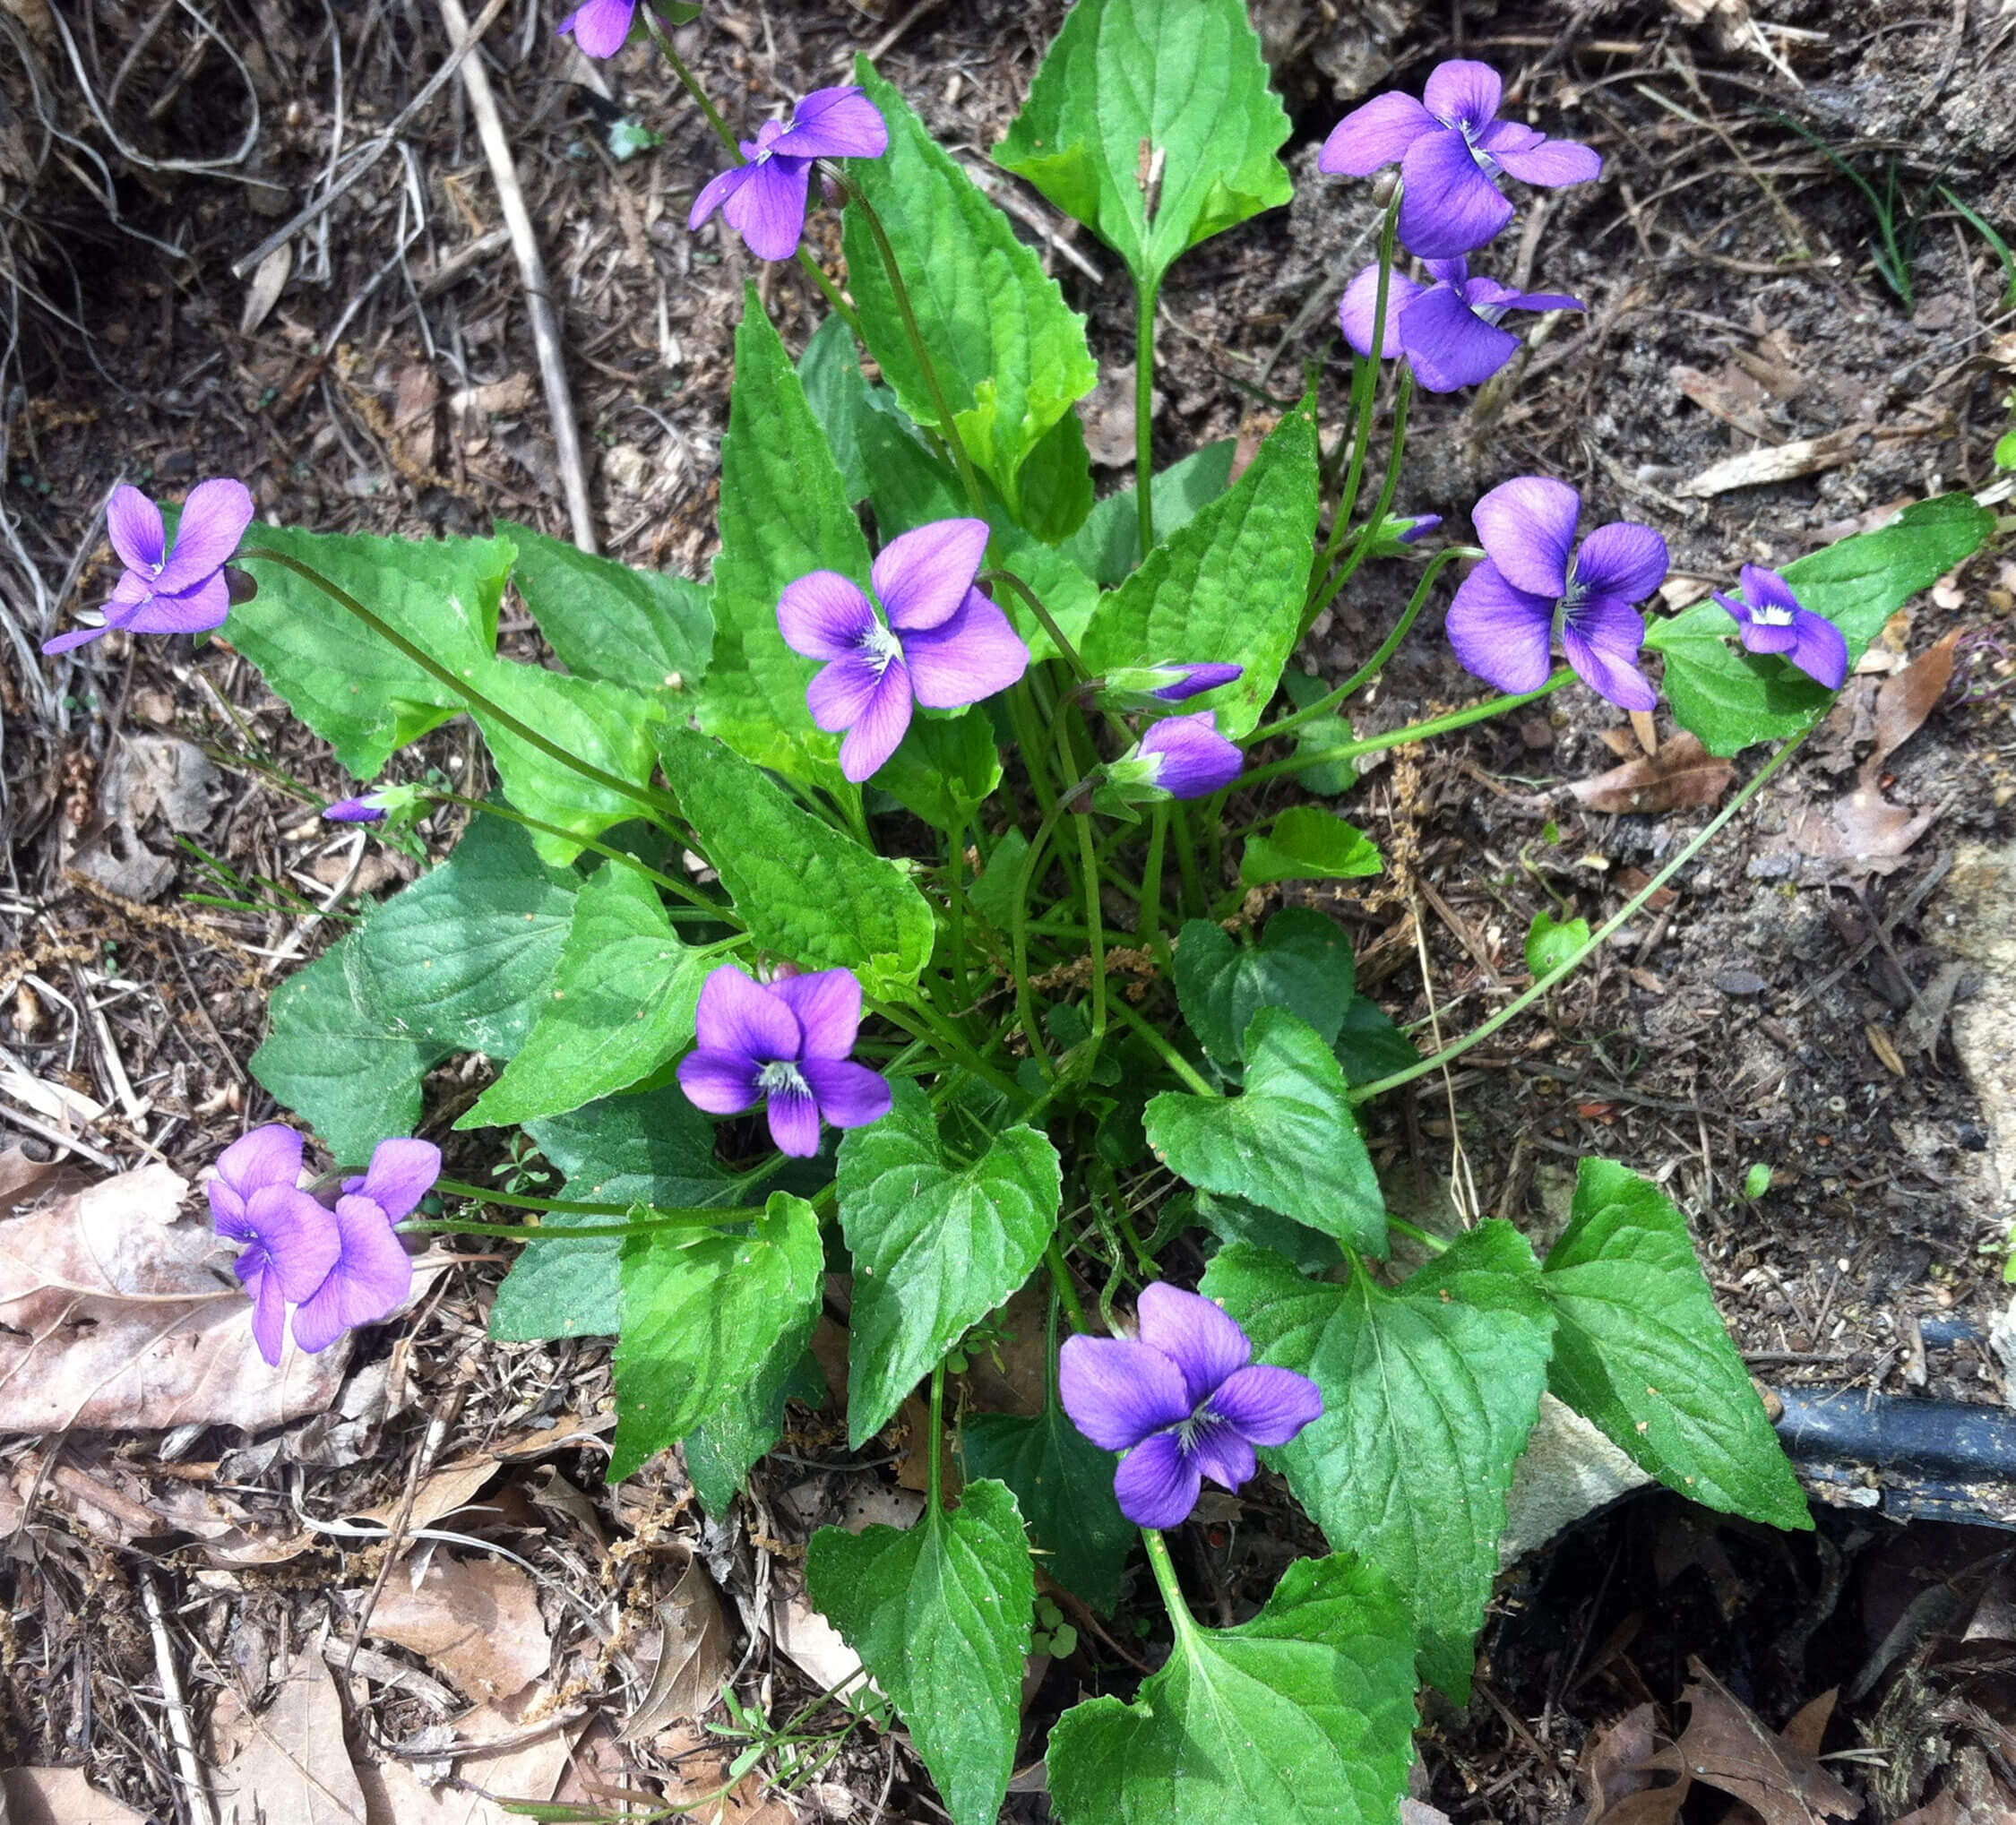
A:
{"points": [[881, 647], [1773, 615], [1187, 1431], [780, 1076]]}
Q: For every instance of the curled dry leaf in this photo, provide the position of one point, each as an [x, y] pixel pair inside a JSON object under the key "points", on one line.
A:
{"points": [[120, 1311], [1681, 775], [477, 1619], [1613, 1766], [692, 1657]]}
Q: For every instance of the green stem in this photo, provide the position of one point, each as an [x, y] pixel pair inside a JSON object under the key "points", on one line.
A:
{"points": [[1018, 938], [1157, 1043], [1412, 732], [946, 426], [955, 873], [1435, 1245], [1185, 1623], [935, 1499], [691, 84], [1568, 965], [1365, 394], [1096, 924], [840, 307], [1388, 488], [1376, 663], [1145, 296], [1021, 716], [911, 1015], [1060, 1277], [1148, 933], [1036, 608], [1187, 857], [657, 807], [609, 1232]]}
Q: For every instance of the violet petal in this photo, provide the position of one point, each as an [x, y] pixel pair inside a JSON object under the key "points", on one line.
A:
{"points": [[1622, 559], [737, 1015], [269, 1155], [1360, 305], [879, 730], [965, 659], [825, 616], [922, 576], [768, 210], [1268, 1405], [212, 525], [1377, 133], [401, 1174], [794, 1123], [1528, 525], [1502, 634], [1221, 1453], [1203, 1341], [268, 1318], [1117, 1390], [835, 124], [1765, 589], [722, 1084], [716, 192], [1448, 345], [827, 1003], [601, 27], [370, 1281], [133, 524], [1820, 648], [297, 1235], [1449, 206], [848, 1094], [838, 695], [205, 605], [1156, 1486], [1601, 639], [1552, 163], [1464, 90]]}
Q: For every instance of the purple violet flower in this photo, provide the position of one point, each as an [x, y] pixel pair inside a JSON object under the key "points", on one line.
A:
{"points": [[366, 809], [288, 1243], [1187, 757], [1411, 531], [1770, 620], [1449, 151], [1534, 587], [1149, 687], [1187, 682], [371, 1273], [163, 591], [1181, 1402], [943, 645], [1448, 330], [765, 199], [601, 27], [788, 1040]]}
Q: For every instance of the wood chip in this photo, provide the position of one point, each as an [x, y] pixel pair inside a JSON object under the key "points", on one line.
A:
{"points": [[1786, 462]]}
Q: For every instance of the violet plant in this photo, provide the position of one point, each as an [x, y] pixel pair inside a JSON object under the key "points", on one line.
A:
{"points": [[793, 929]]}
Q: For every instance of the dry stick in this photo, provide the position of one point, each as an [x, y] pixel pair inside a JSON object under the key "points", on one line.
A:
{"points": [[376, 150], [532, 270], [196, 1794]]}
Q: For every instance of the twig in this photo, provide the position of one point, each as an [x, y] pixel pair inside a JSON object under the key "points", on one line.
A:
{"points": [[369, 155], [197, 1795], [532, 269]]}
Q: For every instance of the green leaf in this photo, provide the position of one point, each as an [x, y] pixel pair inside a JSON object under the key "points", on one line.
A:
{"points": [[1550, 941], [1370, 1046], [1643, 1353], [1228, 586], [994, 893], [608, 726], [706, 1316], [1010, 354], [1304, 1716], [1326, 778], [622, 1003], [461, 961], [651, 1149], [720, 1450], [1289, 1142], [1063, 1485], [1429, 1391], [1108, 546], [1234, 1220], [646, 629], [940, 1616], [1308, 843], [803, 889], [359, 696], [1055, 487], [938, 1241], [829, 371], [1302, 963], [945, 767], [1731, 698], [785, 511], [1186, 77]]}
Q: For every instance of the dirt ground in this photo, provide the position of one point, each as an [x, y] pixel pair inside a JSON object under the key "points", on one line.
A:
{"points": [[1781, 1009]]}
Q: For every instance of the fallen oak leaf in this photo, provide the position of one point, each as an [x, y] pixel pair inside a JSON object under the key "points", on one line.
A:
{"points": [[295, 1766], [692, 1657], [1681, 775], [1729, 1747], [1863, 829]]}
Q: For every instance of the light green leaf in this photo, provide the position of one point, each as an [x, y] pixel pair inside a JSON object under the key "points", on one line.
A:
{"points": [[1326, 778], [994, 893], [1550, 941], [706, 1316], [1063, 1485], [647, 629], [829, 371], [938, 1241], [651, 1149], [1056, 485], [1229, 585], [940, 1616], [1186, 77], [1304, 1716], [460, 961], [1108, 546], [1429, 1392], [359, 696], [1302, 963], [1643, 1353], [1009, 354], [1308, 843], [784, 512], [804, 889], [720, 1450], [608, 726], [622, 1003], [1290, 1142], [1731, 698], [945, 767]]}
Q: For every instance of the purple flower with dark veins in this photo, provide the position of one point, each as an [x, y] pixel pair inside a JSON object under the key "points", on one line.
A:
{"points": [[1448, 330], [288, 1241], [787, 1041], [943, 644], [1186, 757], [162, 591], [1769, 619], [601, 27], [1450, 151], [1535, 587], [1149, 687], [1184, 1402], [765, 199], [373, 1273]]}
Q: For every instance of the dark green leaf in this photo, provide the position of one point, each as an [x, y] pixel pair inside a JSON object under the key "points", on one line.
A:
{"points": [[1108, 546], [1234, 1220], [1302, 963], [945, 767], [1429, 1392], [1643, 1353], [1308, 843], [646, 629], [1370, 1046], [1063, 1485], [829, 371]]}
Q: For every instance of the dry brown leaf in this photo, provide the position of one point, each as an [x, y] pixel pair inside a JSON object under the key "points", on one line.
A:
{"points": [[59, 1797], [1645, 729], [531, 1769], [1728, 1746], [811, 1642], [477, 1619], [692, 1657], [120, 1313], [1905, 699], [295, 1768], [22, 1179], [1863, 830], [1612, 1768], [1782, 463], [1681, 774]]}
